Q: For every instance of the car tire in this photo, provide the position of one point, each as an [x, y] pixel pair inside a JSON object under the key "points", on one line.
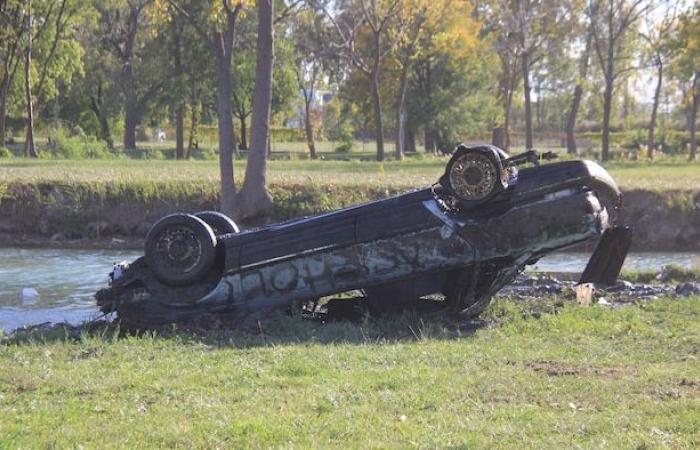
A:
{"points": [[180, 249], [219, 223]]}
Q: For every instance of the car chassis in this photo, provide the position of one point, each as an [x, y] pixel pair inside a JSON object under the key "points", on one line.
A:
{"points": [[464, 238]]}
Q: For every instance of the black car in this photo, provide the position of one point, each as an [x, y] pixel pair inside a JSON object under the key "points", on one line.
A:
{"points": [[463, 238]]}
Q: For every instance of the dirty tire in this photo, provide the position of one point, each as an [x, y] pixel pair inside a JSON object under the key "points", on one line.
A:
{"points": [[219, 223], [180, 249]]}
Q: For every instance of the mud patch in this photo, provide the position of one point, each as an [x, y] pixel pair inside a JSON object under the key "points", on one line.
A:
{"points": [[557, 369]]}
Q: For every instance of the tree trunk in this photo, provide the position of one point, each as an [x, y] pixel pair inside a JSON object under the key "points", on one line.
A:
{"points": [[254, 199], [571, 121], [130, 120], [180, 131], [401, 113], [431, 144], [501, 132], [8, 75], [692, 128], [244, 133], [578, 94], [528, 105], [29, 147], [654, 109], [497, 137], [179, 102], [607, 110], [378, 125], [96, 106], [308, 126], [3, 121], [227, 139], [410, 141], [192, 139]]}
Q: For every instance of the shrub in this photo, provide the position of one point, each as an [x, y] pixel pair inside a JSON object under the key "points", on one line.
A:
{"points": [[144, 153], [346, 141], [203, 153], [62, 146], [5, 153]]}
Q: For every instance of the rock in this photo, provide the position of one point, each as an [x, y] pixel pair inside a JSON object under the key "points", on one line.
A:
{"points": [[97, 228], [58, 237], [43, 225], [29, 296], [603, 301], [688, 289], [621, 285], [585, 293]]}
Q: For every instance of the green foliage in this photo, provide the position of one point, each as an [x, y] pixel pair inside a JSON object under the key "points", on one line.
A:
{"points": [[5, 153], [75, 147], [347, 141], [287, 135], [338, 121], [145, 153], [672, 273], [203, 153]]}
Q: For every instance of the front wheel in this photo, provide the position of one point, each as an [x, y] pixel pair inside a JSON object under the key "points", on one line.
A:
{"points": [[180, 249]]}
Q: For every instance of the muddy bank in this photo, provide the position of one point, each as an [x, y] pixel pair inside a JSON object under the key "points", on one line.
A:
{"points": [[117, 216]]}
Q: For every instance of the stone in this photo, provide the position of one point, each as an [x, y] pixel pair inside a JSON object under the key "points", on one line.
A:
{"points": [[688, 289], [97, 228], [585, 294], [29, 296], [58, 237], [621, 285]]}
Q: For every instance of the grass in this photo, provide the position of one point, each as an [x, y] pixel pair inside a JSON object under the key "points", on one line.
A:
{"points": [[668, 274], [583, 377], [413, 172]]}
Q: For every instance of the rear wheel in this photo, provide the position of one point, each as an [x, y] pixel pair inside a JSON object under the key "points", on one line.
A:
{"points": [[219, 223], [180, 249]]}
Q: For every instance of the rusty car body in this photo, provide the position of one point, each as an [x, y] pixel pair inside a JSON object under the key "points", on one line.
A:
{"points": [[463, 238]]}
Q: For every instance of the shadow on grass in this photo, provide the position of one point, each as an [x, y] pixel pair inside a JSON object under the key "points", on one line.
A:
{"points": [[284, 328]]}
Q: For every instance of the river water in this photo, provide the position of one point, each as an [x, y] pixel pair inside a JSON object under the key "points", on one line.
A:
{"points": [[66, 280]]}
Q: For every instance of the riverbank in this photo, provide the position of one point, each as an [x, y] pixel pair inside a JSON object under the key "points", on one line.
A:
{"points": [[530, 375], [112, 216], [112, 204]]}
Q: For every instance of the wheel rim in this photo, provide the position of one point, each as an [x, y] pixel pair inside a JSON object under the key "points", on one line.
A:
{"points": [[178, 250], [473, 176]]}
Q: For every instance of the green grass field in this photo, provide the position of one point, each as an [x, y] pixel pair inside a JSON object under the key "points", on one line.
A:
{"points": [[583, 377], [418, 172]]}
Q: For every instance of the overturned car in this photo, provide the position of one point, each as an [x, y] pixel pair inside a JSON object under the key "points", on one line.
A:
{"points": [[463, 238]]}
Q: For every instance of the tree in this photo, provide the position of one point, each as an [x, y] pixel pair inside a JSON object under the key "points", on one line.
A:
{"points": [[611, 21], [313, 54], [215, 23], [657, 37], [254, 199], [142, 75], [411, 16], [450, 92], [45, 25], [495, 30], [687, 70], [539, 26], [583, 65], [29, 147], [448, 76], [12, 30], [364, 33]]}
